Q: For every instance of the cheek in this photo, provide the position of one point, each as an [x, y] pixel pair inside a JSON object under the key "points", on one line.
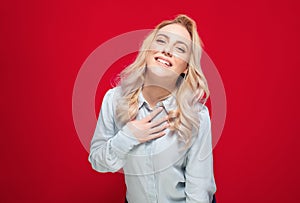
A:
{"points": [[149, 56], [180, 65], [182, 59]]}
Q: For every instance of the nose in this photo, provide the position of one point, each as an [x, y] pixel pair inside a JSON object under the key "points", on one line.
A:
{"points": [[167, 51]]}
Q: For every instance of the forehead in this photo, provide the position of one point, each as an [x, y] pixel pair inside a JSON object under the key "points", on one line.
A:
{"points": [[175, 30]]}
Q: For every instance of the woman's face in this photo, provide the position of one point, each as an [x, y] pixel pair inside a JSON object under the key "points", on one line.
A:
{"points": [[170, 49]]}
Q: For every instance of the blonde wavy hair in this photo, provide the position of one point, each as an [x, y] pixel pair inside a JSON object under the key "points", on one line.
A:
{"points": [[192, 90]]}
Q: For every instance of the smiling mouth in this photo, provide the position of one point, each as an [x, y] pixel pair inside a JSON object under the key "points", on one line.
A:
{"points": [[164, 62]]}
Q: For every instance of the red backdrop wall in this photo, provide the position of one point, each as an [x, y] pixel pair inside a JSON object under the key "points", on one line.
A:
{"points": [[254, 44]]}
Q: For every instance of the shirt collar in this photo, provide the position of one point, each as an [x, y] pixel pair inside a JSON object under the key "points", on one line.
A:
{"points": [[168, 104]]}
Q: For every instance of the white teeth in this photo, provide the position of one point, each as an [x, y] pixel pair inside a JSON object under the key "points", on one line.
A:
{"points": [[163, 61]]}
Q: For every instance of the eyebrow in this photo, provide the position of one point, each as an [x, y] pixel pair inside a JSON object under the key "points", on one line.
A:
{"points": [[166, 36]]}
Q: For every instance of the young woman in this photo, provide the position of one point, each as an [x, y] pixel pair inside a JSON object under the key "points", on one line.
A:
{"points": [[155, 126]]}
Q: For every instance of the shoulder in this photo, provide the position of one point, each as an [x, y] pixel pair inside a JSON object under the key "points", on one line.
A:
{"points": [[111, 98], [203, 113], [112, 94], [113, 91], [204, 121], [202, 141]]}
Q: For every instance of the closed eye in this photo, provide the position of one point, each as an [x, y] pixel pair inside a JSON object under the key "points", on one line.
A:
{"points": [[180, 49], [160, 41]]}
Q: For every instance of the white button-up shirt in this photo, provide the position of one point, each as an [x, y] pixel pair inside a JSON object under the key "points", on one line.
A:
{"points": [[162, 170]]}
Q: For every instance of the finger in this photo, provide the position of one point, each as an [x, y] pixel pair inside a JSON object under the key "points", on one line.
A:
{"points": [[152, 114], [158, 129], [159, 121], [156, 135]]}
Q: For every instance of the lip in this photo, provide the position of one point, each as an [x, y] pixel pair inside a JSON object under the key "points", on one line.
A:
{"points": [[156, 58]]}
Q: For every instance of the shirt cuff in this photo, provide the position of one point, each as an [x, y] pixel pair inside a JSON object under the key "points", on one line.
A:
{"points": [[123, 142]]}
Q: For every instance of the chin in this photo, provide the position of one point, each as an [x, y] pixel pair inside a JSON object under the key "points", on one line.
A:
{"points": [[161, 72]]}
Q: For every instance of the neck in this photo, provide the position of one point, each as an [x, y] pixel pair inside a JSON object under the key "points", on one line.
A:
{"points": [[159, 83], [154, 94]]}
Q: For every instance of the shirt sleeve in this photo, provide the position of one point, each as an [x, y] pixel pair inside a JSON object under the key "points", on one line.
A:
{"points": [[200, 182], [109, 147]]}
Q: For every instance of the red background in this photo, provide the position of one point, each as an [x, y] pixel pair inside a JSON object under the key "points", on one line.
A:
{"points": [[254, 44]]}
